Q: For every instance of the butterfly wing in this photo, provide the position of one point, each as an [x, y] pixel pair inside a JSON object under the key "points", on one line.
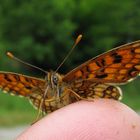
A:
{"points": [[18, 84], [118, 65], [89, 89]]}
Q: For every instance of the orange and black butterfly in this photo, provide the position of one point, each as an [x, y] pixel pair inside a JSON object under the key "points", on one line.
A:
{"points": [[96, 78]]}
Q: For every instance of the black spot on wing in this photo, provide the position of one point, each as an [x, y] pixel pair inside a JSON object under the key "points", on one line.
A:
{"points": [[98, 64], [103, 62], [27, 79], [117, 58], [7, 78], [28, 87], [132, 50], [104, 75], [17, 77]]}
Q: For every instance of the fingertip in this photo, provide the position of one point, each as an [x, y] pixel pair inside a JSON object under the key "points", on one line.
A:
{"points": [[102, 119]]}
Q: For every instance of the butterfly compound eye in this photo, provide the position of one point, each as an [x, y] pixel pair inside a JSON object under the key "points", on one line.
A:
{"points": [[55, 79]]}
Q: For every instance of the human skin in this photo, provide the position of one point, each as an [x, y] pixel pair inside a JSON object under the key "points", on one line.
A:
{"points": [[103, 119]]}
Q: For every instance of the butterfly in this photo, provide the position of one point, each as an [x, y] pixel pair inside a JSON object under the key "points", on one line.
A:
{"points": [[99, 77]]}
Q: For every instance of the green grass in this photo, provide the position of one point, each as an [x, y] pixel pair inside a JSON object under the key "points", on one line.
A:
{"points": [[15, 111], [16, 117], [18, 111], [131, 94]]}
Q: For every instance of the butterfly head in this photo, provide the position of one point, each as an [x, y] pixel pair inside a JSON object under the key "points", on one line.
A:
{"points": [[53, 79]]}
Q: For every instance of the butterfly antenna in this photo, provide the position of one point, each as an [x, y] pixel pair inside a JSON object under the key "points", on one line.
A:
{"points": [[9, 54], [74, 45]]}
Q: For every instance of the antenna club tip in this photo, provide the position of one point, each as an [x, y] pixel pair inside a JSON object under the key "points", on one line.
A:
{"points": [[78, 38], [10, 54]]}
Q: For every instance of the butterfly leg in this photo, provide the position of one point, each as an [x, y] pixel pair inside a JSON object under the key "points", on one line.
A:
{"points": [[41, 106], [79, 97], [39, 113]]}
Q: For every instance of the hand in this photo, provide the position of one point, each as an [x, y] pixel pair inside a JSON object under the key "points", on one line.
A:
{"points": [[103, 119]]}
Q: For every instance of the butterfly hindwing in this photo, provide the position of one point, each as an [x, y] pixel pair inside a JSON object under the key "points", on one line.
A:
{"points": [[117, 66], [89, 89]]}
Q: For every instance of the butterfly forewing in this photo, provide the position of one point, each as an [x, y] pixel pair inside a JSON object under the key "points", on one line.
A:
{"points": [[116, 66], [18, 84]]}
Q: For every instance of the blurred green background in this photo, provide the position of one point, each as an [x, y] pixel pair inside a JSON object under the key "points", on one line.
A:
{"points": [[42, 33]]}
